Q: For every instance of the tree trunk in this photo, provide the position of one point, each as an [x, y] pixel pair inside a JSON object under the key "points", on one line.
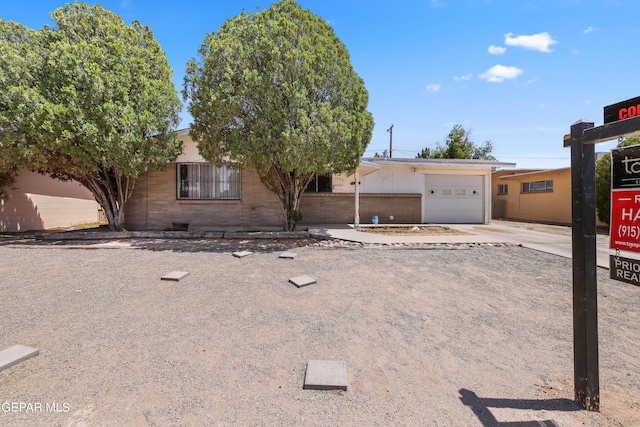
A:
{"points": [[111, 192], [292, 205], [289, 187]]}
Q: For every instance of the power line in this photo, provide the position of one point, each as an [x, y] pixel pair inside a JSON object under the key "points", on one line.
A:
{"points": [[535, 158]]}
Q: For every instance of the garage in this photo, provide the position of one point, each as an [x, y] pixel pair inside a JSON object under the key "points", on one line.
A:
{"points": [[453, 199]]}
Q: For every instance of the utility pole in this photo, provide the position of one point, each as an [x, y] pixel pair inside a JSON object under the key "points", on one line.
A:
{"points": [[390, 130]]}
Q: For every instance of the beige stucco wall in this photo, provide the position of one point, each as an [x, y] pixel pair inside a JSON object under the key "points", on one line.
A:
{"points": [[190, 151], [550, 206], [38, 202]]}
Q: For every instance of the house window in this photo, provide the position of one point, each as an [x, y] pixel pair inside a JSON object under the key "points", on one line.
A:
{"points": [[503, 188], [320, 184], [537, 186], [204, 181]]}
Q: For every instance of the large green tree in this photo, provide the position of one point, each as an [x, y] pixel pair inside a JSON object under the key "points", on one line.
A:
{"points": [[93, 100], [603, 181], [458, 145], [19, 57], [275, 90]]}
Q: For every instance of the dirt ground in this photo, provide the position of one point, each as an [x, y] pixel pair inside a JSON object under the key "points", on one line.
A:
{"points": [[470, 336]]}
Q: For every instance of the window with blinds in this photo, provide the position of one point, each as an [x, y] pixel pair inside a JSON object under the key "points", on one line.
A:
{"points": [[537, 186], [204, 181]]}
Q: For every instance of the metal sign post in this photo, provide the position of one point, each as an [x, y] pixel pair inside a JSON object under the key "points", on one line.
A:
{"points": [[582, 141], [585, 288]]}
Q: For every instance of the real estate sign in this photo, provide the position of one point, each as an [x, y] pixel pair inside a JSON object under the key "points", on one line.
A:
{"points": [[622, 110], [624, 269], [625, 199]]}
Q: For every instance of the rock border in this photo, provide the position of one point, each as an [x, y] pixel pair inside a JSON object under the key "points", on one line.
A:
{"points": [[118, 235]]}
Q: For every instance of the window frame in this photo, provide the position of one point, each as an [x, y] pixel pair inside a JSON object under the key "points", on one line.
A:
{"points": [[207, 188], [542, 186], [503, 189], [316, 186]]}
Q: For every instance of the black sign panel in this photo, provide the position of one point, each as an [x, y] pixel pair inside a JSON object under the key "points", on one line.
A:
{"points": [[625, 162], [624, 269], [622, 110]]}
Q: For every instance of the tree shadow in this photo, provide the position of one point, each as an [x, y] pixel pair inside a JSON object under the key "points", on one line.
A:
{"points": [[481, 408], [206, 245], [220, 245], [18, 213]]}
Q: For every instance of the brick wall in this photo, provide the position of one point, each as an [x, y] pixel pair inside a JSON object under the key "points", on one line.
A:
{"points": [[339, 208], [153, 205]]}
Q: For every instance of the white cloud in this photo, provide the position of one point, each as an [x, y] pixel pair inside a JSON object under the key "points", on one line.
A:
{"points": [[499, 73], [464, 78], [540, 41], [590, 29], [496, 50], [575, 52], [433, 87]]}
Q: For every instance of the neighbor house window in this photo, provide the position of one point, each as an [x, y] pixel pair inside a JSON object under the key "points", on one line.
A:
{"points": [[320, 184], [204, 181], [503, 188], [536, 186]]}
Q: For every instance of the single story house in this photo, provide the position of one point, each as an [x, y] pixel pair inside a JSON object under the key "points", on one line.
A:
{"points": [[38, 202], [533, 195], [193, 191]]}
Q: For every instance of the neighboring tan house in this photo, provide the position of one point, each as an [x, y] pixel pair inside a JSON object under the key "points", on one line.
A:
{"points": [[38, 202], [196, 192], [533, 195]]}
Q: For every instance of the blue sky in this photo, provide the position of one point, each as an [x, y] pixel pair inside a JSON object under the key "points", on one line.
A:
{"points": [[516, 72]]}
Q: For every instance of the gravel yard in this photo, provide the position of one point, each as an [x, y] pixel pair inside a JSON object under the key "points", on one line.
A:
{"points": [[432, 335]]}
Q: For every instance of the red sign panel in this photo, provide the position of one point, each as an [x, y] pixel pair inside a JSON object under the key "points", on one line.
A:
{"points": [[625, 220], [622, 110]]}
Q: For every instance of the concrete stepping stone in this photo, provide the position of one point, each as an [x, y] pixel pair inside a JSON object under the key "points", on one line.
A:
{"points": [[326, 375], [242, 254], [16, 354], [175, 276], [288, 255], [301, 281]]}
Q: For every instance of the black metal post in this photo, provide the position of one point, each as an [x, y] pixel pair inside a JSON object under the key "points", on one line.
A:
{"points": [[585, 299]]}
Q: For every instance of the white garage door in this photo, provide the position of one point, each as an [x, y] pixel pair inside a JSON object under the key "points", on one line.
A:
{"points": [[452, 199]]}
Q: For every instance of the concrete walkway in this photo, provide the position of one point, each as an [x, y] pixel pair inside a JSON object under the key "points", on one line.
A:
{"points": [[545, 238]]}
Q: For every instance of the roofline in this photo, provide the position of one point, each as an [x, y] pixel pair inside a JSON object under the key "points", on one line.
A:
{"points": [[376, 162], [515, 175], [450, 162]]}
